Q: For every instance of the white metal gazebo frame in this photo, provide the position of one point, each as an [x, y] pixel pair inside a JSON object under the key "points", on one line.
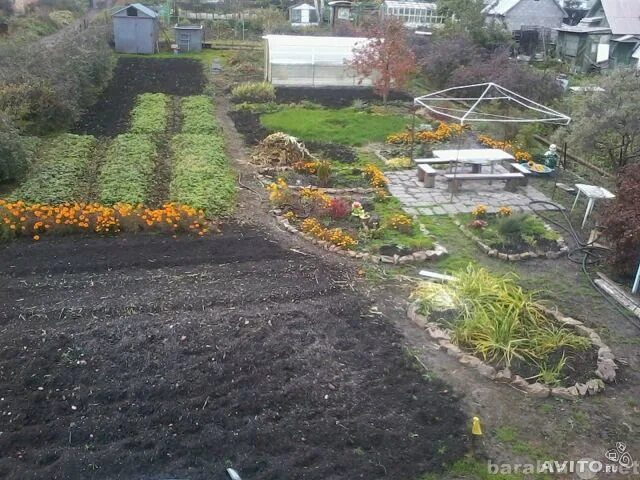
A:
{"points": [[491, 92]]}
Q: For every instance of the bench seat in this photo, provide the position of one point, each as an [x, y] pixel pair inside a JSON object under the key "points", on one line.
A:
{"points": [[427, 175], [512, 179]]}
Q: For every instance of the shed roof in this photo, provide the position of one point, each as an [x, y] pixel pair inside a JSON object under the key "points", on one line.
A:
{"points": [[623, 16], [303, 6], [502, 7], [300, 49], [138, 6]]}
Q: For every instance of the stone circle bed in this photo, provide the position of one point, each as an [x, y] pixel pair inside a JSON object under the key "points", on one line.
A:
{"points": [[533, 348]]}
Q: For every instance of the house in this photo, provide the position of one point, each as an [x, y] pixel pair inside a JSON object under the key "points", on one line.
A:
{"points": [[136, 29], [412, 13], [516, 14], [311, 61], [303, 15], [608, 37]]}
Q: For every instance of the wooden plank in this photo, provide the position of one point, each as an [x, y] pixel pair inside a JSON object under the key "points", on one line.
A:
{"points": [[483, 176], [438, 277]]}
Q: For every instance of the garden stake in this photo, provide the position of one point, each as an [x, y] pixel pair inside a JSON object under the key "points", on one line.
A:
{"points": [[476, 432]]}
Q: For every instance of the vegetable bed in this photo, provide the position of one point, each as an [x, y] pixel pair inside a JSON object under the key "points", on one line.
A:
{"points": [[57, 175], [198, 115], [127, 173], [150, 113], [201, 176]]}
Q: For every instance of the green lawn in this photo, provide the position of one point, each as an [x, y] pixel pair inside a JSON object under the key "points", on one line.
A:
{"points": [[347, 126]]}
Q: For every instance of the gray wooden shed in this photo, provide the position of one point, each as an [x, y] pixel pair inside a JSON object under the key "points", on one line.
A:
{"points": [[136, 29], [189, 37]]}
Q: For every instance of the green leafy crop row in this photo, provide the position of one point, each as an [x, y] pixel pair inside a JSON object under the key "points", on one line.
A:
{"points": [[150, 113], [57, 175], [128, 170], [201, 176], [198, 115]]}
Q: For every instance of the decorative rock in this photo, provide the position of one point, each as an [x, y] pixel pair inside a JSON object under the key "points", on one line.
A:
{"points": [[486, 370], [605, 353], [420, 256], [503, 256], [386, 259], [437, 333], [594, 386], [519, 382], [565, 393], [492, 253], [503, 376], [538, 390], [582, 389], [469, 360], [596, 340], [606, 370], [513, 258], [440, 250], [570, 321]]}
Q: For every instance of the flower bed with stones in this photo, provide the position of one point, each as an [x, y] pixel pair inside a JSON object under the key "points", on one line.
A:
{"points": [[605, 370], [421, 256], [513, 257]]}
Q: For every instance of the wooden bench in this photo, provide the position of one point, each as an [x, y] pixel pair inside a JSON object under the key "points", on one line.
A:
{"points": [[427, 175], [520, 168], [512, 179]]}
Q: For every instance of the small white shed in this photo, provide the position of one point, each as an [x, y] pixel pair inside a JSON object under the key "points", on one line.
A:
{"points": [[303, 15], [136, 29], [189, 37], [310, 61]]}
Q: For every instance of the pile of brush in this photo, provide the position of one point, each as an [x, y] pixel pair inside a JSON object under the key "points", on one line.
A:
{"points": [[280, 149]]}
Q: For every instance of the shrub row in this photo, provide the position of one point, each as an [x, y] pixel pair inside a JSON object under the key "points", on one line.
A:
{"points": [[198, 115], [253, 92], [57, 174], [128, 169], [201, 175], [150, 113]]}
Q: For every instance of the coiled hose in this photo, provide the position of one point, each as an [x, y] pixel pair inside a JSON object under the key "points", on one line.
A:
{"points": [[586, 254]]}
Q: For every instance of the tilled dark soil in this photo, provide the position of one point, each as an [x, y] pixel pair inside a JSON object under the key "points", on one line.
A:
{"points": [[334, 96], [149, 357], [132, 76]]}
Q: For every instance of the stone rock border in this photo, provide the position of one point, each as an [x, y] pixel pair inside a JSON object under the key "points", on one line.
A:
{"points": [[513, 257], [605, 370], [421, 256]]}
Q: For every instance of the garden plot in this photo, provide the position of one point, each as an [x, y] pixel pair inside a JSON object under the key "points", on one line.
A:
{"points": [[58, 175], [134, 76], [148, 357]]}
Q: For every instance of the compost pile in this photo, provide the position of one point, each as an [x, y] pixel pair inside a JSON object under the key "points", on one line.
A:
{"points": [[279, 150]]}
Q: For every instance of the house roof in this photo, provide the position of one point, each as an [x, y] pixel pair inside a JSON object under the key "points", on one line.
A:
{"points": [[138, 6], [623, 16], [502, 7]]}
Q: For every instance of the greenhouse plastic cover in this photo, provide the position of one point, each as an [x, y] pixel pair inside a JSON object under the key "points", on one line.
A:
{"points": [[308, 50]]}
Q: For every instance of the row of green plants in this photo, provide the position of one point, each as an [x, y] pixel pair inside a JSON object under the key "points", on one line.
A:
{"points": [[58, 173], [202, 177], [150, 113], [496, 319], [198, 115], [253, 92], [127, 173]]}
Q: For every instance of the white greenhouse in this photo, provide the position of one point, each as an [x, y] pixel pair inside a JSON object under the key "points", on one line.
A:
{"points": [[307, 61], [412, 14]]}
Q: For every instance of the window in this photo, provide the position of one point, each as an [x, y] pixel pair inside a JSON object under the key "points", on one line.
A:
{"points": [[132, 12]]}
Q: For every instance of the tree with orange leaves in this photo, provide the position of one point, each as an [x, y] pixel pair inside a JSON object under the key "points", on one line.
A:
{"points": [[386, 57]]}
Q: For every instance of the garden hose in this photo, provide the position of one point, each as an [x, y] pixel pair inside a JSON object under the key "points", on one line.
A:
{"points": [[585, 254]]}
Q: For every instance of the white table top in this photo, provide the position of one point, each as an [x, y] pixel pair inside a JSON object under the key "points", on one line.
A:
{"points": [[471, 155], [593, 191]]}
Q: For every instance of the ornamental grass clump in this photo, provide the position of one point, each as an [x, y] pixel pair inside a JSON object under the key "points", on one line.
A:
{"points": [[253, 92], [496, 319]]}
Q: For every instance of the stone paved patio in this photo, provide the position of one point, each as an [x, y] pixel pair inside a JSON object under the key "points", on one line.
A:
{"points": [[418, 200]]}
